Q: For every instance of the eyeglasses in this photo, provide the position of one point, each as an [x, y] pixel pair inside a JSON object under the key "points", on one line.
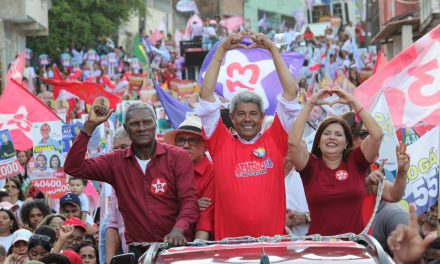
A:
{"points": [[11, 187], [40, 237], [192, 141], [363, 134]]}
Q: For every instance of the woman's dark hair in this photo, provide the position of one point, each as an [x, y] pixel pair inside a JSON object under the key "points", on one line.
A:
{"points": [[18, 185], [355, 127], [13, 218], [40, 240], [324, 124], [46, 230], [53, 258], [4, 194], [28, 206], [47, 219], [88, 244], [50, 161]]}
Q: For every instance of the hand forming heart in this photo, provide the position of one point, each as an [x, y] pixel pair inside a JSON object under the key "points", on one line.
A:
{"points": [[319, 97]]}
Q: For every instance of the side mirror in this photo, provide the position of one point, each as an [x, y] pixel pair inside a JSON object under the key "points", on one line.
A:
{"points": [[127, 258]]}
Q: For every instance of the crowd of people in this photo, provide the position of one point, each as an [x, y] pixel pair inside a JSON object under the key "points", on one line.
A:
{"points": [[217, 175]]}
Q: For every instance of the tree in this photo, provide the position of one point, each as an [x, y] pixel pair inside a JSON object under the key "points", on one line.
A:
{"points": [[83, 23]]}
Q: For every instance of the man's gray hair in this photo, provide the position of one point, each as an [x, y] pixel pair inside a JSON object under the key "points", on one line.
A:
{"points": [[139, 106], [246, 97], [120, 133]]}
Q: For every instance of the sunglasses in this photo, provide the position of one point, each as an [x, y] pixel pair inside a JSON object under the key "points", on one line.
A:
{"points": [[192, 141], [363, 134], [40, 238]]}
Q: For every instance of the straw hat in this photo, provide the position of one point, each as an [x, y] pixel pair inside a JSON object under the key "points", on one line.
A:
{"points": [[191, 124]]}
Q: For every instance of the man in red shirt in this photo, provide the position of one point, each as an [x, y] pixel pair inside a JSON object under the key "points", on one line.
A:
{"points": [[189, 137], [154, 182], [248, 165]]}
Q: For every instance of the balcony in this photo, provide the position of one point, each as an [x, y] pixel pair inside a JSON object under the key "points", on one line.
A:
{"points": [[429, 14], [28, 16]]}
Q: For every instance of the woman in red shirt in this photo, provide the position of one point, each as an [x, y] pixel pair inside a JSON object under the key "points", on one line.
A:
{"points": [[333, 173]]}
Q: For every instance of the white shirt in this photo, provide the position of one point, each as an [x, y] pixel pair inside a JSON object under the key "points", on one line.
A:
{"points": [[142, 163], [6, 241], [209, 113], [296, 199]]}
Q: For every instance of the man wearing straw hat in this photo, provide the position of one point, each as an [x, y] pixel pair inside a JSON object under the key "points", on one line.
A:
{"points": [[189, 137]]}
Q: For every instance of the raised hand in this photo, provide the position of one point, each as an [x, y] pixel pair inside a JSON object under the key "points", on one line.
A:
{"points": [[261, 41], [318, 98], [344, 97], [65, 232], [233, 41], [403, 159], [98, 114], [405, 242]]}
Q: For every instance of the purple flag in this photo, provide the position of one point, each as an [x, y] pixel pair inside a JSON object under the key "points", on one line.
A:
{"points": [[253, 70], [175, 110]]}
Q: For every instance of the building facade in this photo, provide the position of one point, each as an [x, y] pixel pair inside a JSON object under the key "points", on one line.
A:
{"points": [[18, 19]]}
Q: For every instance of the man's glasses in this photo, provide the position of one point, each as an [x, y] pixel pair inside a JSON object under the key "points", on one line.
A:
{"points": [[192, 141], [363, 134]]}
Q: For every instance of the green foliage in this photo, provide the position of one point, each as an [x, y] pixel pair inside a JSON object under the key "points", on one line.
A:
{"points": [[83, 23]]}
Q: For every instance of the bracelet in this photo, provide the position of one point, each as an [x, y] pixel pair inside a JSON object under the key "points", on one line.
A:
{"points": [[85, 133], [357, 117], [217, 58]]}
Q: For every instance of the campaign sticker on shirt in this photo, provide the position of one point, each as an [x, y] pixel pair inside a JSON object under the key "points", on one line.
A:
{"points": [[260, 152], [159, 186], [341, 175]]}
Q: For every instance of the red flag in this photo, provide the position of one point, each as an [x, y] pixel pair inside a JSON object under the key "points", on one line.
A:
{"points": [[16, 69], [381, 61], [410, 83], [86, 91], [57, 74], [18, 110]]}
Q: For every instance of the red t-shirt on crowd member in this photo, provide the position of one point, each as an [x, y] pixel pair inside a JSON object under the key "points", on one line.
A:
{"points": [[249, 183], [335, 196], [204, 177]]}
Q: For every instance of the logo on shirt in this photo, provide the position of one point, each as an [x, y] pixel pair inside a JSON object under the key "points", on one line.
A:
{"points": [[253, 168], [159, 186], [260, 152], [341, 175]]}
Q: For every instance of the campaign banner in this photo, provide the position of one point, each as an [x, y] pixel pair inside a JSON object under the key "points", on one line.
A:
{"points": [[387, 151], [122, 108], [423, 174], [9, 165], [70, 131], [100, 142], [46, 164], [54, 188], [47, 136]]}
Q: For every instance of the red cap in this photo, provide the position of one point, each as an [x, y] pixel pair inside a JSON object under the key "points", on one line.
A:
{"points": [[74, 257], [75, 222]]}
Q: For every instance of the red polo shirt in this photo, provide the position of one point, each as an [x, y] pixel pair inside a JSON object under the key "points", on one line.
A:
{"points": [[151, 203], [204, 176]]}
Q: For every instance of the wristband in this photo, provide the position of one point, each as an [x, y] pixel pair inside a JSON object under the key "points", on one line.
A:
{"points": [[85, 133], [357, 117]]}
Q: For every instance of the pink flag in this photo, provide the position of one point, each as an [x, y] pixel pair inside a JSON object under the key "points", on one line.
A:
{"points": [[410, 83], [381, 61], [18, 110], [16, 69], [232, 23]]}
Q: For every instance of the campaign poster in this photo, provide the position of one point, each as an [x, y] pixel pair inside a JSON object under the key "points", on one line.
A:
{"points": [[46, 164], [70, 131], [9, 165], [422, 186], [121, 109], [47, 136]]}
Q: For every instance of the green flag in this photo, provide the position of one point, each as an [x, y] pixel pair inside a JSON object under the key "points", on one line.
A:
{"points": [[139, 50]]}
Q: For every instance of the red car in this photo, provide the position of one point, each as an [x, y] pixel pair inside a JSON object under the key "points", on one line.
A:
{"points": [[365, 250]]}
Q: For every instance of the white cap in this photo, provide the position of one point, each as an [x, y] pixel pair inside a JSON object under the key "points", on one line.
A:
{"points": [[21, 235]]}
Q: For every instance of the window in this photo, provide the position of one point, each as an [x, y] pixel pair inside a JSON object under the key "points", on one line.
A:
{"points": [[320, 13], [290, 21], [273, 20]]}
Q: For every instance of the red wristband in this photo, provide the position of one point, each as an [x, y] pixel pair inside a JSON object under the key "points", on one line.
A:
{"points": [[357, 117]]}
